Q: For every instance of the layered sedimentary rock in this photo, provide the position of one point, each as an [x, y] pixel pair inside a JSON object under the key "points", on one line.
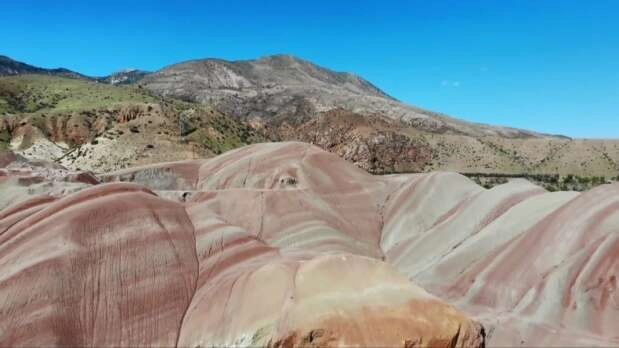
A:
{"points": [[251, 294], [109, 266], [287, 245], [21, 179]]}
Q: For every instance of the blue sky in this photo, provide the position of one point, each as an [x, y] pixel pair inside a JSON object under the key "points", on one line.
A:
{"points": [[546, 65]]}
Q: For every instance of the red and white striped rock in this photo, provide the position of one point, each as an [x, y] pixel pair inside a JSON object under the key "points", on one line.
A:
{"points": [[288, 245], [113, 265], [444, 232]]}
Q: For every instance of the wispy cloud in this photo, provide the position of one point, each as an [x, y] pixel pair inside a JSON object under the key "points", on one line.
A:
{"points": [[450, 83]]}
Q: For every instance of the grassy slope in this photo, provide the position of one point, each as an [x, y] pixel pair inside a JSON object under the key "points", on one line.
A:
{"points": [[39, 96], [41, 93]]}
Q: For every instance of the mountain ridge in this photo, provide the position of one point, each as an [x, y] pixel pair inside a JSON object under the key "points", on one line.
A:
{"points": [[205, 106], [280, 87], [228, 79], [11, 67]]}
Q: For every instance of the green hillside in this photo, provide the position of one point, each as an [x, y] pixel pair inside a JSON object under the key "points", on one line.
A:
{"points": [[42, 93]]}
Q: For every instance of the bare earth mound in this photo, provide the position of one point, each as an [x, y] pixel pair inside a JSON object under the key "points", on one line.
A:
{"points": [[284, 244]]}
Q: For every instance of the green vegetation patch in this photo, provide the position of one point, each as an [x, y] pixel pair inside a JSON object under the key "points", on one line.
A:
{"points": [[5, 138], [217, 132], [551, 182], [42, 93]]}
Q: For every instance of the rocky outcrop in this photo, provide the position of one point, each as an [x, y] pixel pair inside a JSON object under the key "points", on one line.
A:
{"points": [[373, 144], [124, 77], [22, 179], [131, 112], [70, 129], [176, 176]]}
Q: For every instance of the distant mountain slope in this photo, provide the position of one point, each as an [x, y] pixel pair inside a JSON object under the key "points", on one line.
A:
{"points": [[275, 89], [124, 77], [115, 121], [287, 98], [267, 74], [283, 88], [10, 67], [96, 126]]}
